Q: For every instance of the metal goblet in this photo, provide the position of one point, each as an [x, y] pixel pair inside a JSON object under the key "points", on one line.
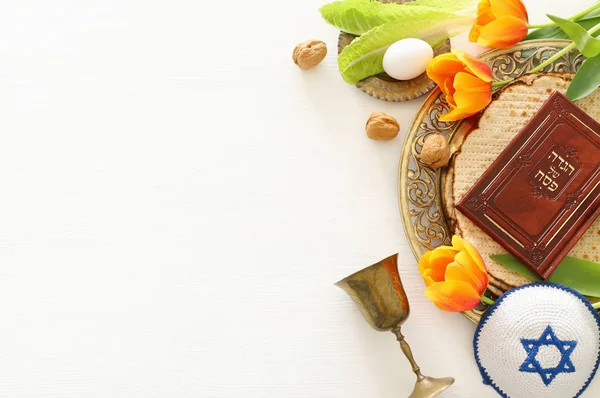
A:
{"points": [[378, 292]]}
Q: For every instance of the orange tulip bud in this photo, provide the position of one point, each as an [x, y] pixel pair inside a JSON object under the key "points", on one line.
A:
{"points": [[455, 276], [499, 23], [465, 80]]}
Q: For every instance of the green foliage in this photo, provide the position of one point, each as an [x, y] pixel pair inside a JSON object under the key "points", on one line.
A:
{"points": [[555, 32], [586, 80], [360, 16], [578, 274], [586, 44]]}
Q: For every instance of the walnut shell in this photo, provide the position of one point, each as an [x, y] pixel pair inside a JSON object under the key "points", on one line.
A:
{"points": [[436, 151], [381, 126], [309, 54]]}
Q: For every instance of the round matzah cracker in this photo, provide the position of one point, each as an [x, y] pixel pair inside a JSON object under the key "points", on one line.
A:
{"points": [[508, 113]]}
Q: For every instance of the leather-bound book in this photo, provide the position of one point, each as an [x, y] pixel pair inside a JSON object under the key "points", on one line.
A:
{"points": [[543, 191]]}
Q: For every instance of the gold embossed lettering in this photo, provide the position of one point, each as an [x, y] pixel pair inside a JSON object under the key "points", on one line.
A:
{"points": [[541, 174], [554, 172]]}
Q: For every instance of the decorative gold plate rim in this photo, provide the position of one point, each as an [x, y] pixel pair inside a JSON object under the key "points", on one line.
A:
{"points": [[426, 182]]}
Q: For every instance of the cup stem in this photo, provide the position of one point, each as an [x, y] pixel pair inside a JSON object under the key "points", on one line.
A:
{"points": [[408, 353]]}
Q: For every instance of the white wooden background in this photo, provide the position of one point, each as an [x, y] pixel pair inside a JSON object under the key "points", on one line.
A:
{"points": [[178, 200]]}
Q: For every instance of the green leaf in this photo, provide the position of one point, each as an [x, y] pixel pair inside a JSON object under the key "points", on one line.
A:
{"points": [[591, 14], [360, 16], [554, 32], [357, 16], [364, 56], [578, 274], [586, 44], [586, 80]]}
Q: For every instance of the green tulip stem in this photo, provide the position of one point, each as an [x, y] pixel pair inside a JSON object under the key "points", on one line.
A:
{"points": [[487, 300], [562, 52], [500, 83], [596, 305], [541, 25], [553, 58], [574, 17], [583, 13]]}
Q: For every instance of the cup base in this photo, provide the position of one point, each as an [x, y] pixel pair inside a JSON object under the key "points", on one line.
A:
{"points": [[430, 387]]}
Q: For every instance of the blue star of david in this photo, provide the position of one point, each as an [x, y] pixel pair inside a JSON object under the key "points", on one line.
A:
{"points": [[532, 365]]}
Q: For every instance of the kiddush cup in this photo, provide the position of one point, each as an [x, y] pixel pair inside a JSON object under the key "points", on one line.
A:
{"points": [[378, 292]]}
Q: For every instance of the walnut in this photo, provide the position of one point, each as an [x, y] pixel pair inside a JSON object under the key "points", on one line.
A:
{"points": [[436, 151], [381, 126], [309, 54]]}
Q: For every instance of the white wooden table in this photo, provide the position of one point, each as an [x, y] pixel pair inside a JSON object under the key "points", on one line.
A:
{"points": [[179, 198]]}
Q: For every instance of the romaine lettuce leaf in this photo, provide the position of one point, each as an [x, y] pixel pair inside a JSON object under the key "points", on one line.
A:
{"points": [[360, 16]]}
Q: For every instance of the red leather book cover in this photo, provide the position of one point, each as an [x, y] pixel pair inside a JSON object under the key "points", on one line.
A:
{"points": [[543, 191]]}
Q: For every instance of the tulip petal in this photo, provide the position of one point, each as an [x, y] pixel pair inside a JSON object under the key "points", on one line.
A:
{"points": [[504, 32], [466, 82], [439, 259], [424, 263], [432, 265], [458, 242], [463, 245], [453, 296], [476, 66], [470, 259], [485, 17], [449, 89], [456, 271], [508, 8], [425, 271], [472, 94], [483, 7], [479, 279], [455, 114], [427, 277], [474, 33], [443, 67]]}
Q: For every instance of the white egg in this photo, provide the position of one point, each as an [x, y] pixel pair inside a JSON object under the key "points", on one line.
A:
{"points": [[407, 58]]}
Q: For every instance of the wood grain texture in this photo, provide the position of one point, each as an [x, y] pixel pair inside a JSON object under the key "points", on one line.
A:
{"points": [[178, 200]]}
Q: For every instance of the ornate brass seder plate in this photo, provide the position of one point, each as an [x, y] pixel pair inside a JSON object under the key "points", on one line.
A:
{"points": [[419, 187]]}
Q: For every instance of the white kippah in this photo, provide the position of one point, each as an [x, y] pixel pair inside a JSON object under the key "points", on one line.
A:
{"points": [[539, 340]]}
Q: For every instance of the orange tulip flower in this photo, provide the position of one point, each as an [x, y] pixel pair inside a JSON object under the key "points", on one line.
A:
{"points": [[455, 276], [499, 23], [465, 80]]}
